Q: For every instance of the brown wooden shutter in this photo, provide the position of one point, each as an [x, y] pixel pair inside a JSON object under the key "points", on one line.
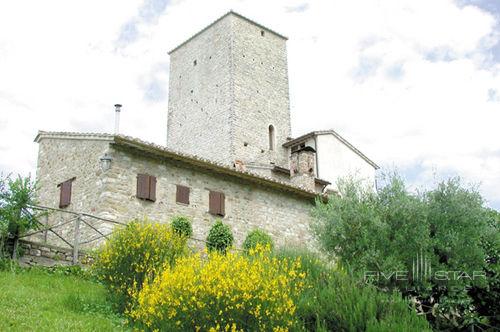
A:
{"points": [[182, 195], [222, 206], [142, 186], [65, 193], [213, 202], [216, 204], [152, 188]]}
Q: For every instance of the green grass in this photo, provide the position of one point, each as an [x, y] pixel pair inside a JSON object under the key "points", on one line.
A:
{"points": [[37, 300]]}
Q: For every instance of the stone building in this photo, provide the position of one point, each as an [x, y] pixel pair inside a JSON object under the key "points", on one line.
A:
{"points": [[229, 152]]}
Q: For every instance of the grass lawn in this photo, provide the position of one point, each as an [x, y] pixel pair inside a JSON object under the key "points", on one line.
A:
{"points": [[34, 300]]}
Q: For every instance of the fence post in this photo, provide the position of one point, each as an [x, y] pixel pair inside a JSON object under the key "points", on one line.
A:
{"points": [[76, 241], [45, 233]]}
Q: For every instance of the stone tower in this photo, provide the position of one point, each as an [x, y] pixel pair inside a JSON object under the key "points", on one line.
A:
{"points": [[228, 95]]}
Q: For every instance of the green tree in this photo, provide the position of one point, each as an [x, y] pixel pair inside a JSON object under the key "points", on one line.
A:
{"points": [[16, 215], [374, 235]]}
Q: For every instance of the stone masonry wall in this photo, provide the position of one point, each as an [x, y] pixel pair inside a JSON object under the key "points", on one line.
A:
{"points": [[35, 253], [200, 96], [221, 107], [260, 93], [285, 216], [60, 159]]}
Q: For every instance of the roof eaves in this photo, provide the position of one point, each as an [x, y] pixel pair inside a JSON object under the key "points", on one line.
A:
{"points": [[208, 164], [219, 19], [71, 135]]}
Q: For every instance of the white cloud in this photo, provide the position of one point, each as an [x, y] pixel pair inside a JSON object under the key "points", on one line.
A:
{"points": [[409, 82]]}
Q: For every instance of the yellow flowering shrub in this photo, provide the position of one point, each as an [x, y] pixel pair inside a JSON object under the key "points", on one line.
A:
{"points": [[137, 251], [221, 292]]}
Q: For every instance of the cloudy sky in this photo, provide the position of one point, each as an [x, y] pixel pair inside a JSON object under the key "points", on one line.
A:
{"points": [[415, 84]]}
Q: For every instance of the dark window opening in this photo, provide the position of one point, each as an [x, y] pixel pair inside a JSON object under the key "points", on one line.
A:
{"points": [[262, 33], [298, 146], [146, 187], [182, 195], [195, 63], [216, 204], [271, 137]]}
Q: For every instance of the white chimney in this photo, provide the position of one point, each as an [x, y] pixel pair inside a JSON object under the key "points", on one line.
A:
{"points": [[117, 118]]}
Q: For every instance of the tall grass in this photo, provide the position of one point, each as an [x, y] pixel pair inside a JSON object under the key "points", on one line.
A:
{"points": [[57, 300]]}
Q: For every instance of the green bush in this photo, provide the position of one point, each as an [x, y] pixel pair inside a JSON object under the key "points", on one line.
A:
{"points": [[135, 253], [334, 301], [219, 237], [258, 236], [182, 226], [392, 229]]}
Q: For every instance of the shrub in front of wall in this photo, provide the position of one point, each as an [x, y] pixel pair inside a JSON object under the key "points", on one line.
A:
{"points": [[182, 226], [220, 237], [258, 236], [134, 253], [334, 301], [224, 292]]}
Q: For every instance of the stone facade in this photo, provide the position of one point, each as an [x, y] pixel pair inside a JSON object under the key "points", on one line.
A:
{"points": [[228, 85], [35, 253], [302, 167], [112, 193], [63, 157]]}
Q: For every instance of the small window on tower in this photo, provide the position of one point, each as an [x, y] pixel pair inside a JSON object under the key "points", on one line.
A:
{"points": [[262, 33], [271, 137], [194, 63]]}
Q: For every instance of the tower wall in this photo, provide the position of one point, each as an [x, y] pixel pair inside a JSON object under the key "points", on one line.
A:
{"points": [[200, 98], [222, 107], [260, 94]]}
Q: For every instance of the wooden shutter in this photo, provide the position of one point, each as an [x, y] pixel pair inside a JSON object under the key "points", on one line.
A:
{"points": [[213, 202], [142, 186], [146, 187], [65, 193], [222, 205], [216, 203], [152, 188], [182, 195]]}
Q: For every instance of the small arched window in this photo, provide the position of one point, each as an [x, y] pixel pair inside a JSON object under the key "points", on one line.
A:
{"points": [[271, 137]]}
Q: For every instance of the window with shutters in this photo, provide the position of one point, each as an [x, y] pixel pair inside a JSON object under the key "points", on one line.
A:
{"points": [[65, 193], [182, 195], [216, 204], [146, 187]]}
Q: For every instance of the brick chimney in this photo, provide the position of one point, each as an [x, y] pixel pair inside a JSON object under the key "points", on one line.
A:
{"points": [[302, 168]]}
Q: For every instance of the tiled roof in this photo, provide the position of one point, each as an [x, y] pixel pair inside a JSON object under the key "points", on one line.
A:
{"points": [[164, 152]]}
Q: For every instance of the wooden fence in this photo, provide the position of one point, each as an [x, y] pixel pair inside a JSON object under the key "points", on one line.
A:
{"points": [[70, 230]]}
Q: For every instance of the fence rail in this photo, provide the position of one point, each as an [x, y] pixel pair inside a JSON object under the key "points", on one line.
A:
{"points": [[75, 231], [69, 229]]}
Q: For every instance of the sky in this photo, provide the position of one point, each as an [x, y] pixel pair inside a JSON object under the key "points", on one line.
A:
{"points": [[415, 85]]}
